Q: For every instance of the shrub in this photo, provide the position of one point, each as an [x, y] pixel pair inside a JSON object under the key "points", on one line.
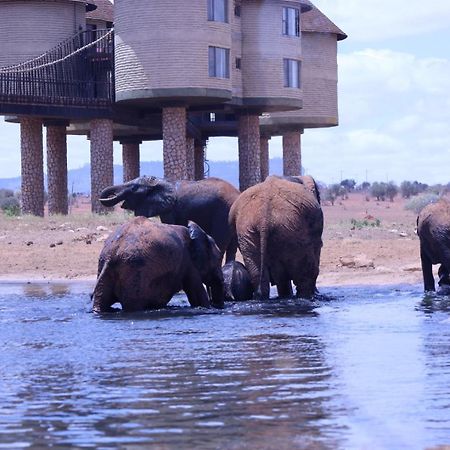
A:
{"points": [[10, 206], [368, 221], [416, 204]]}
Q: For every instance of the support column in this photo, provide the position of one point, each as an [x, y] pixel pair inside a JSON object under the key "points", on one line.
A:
{"points": [[174, 143], [249, 152], [57, 169], [199, 159], [32, 166], [130, 160], [190, 158], [292, 161], [264, 156], [102, 172]]}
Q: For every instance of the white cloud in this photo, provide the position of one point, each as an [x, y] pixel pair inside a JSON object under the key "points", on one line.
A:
{"points": [[365, 20]]}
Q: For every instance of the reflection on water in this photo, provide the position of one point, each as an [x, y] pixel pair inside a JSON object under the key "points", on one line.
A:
{"points": [[367, 368]]}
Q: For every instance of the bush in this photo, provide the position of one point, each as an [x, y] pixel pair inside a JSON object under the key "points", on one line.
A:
{"points": [[419, 202], [10, 206]]}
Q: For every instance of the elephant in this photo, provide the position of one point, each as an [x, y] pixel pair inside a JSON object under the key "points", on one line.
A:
{"points": [[237, 282], [279, 227], [144, 263], [433, 229], [206, 202]]}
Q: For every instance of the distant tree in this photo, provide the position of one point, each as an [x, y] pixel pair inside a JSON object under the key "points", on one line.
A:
{"points": [[391, 190], [365, 186], [406, 189], [378, 190], [348, 184], [6, 193], [332, 192]]}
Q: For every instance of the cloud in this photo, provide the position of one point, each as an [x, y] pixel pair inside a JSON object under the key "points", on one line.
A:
{"points": [[366, 20]]}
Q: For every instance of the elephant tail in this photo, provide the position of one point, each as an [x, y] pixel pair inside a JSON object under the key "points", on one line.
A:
{"points": [[264, 282]]}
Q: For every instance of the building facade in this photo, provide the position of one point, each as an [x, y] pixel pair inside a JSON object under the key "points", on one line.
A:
{"points": [[177, 70]]}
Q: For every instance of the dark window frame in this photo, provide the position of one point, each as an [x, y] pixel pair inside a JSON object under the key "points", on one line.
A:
{"points": [[214, 53], [289, 80], [214, 13], [286, 28]]}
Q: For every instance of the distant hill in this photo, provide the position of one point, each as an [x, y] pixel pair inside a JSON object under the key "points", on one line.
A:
{"points": [[79, 180]]}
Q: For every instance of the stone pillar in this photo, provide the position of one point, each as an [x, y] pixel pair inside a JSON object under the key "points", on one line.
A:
{"points": [[264, 156], [174, 143], [57, 169], [292, 162], [32, 166], [249, 152], [190, 158], [130, 160], [102, 172], [199, 160]]}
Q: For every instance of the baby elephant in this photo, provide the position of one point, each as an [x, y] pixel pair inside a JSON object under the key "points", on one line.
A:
{"points": [[144, 263], [237, 282], [433, 228]]}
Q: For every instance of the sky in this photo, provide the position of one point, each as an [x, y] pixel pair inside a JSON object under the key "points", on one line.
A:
{"points": [[394, 101]]}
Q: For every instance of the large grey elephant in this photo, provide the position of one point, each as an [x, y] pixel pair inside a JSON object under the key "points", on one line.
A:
{"points": [[206, 202], [279, 227], [433, 228], [144, 263]]}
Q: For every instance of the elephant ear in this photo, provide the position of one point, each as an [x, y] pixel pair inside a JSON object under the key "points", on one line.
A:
{"points": [[199, 246], [309, 182]]}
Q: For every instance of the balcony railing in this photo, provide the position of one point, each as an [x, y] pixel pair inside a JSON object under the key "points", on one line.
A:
{"points": [[77, 73]]}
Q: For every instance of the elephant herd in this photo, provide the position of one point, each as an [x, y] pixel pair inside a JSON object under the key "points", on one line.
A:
{"points": [[277, 226]]}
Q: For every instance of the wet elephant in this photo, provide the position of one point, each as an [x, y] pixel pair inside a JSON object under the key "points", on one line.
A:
{"points": [[279, 227], [237, 282], [144, 263], [433, 228], [206, 202]]}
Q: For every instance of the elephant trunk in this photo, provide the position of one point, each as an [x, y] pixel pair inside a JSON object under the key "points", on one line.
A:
{"points": [[216, 292], [113, 195]]}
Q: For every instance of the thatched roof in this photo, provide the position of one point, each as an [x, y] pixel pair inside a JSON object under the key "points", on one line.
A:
{"points": [[104, 11], [316, 21]]}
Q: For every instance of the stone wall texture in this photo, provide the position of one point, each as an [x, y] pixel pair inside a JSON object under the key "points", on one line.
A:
{"points": [[264, 157], [57, 169], [102, 174], [249, 152], [174, 143], [32, 166], [199, 160], [190, 158], [292, 160], [130, 160]]}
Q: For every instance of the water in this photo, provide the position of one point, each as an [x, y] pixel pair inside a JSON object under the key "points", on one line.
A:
{"points": [[368, 368]]}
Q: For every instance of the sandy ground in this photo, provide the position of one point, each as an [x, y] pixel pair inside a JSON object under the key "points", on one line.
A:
{"points": [[67, 247]]}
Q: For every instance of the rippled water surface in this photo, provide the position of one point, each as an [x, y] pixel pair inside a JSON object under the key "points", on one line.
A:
{"points": [[368, 368]]}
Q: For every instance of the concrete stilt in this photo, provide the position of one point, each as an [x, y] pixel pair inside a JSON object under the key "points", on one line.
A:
{"points": [[190, 158], [264, 157], [130, 160], [199, 159], [249, 151], [102, 172], [57, 169], [292, 161], [174, 143], [32, 166]]}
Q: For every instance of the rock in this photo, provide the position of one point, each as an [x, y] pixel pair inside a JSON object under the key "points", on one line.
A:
{"points": [[101, 228], [358, 261], [403, 234], [52, 245], [102, 238], [30, 243], [59, 243], [88, 241], [411, 268]]}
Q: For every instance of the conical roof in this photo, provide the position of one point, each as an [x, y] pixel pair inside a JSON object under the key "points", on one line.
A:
{"points": [[316, 21], [104, 11]]}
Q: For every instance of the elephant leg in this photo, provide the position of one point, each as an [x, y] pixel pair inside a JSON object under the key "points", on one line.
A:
{"points": [[427, 271], [231, 250], [284, 288], [195, 292], [443, 275], [306, 276]]}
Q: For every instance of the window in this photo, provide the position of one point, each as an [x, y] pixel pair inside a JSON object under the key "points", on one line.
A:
{"points": [[291, 22], [217, 10], [238, 63], [219, 62], [237, 10], [291, 73]]}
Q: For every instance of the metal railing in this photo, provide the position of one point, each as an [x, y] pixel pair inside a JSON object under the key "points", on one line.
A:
{"points": [[77, 72]]}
